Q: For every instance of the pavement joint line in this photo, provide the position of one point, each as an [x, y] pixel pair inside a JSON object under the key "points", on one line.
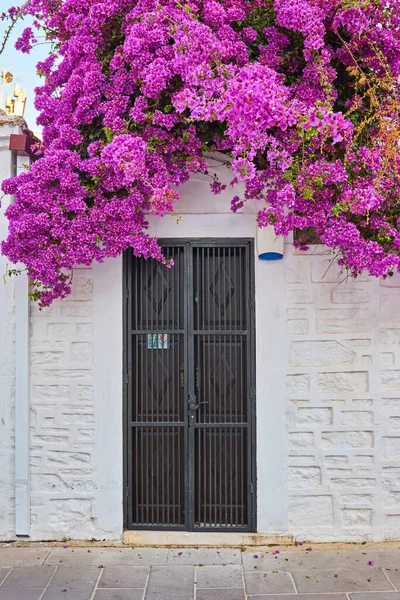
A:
{"points": [[47, 586], [47, 556], [195, 583], [96, 585], [1, 583], [243, 579], [389, 580], [220, 588], [146, 585], [293, 581]]}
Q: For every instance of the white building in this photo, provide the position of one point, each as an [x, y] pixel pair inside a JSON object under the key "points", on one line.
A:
{"points": [[300, 436]]}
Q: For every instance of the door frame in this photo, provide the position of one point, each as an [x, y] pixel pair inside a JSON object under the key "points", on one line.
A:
{"points": [[251, 370]]}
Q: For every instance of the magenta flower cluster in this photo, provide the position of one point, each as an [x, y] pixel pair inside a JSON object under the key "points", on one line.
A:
{"points": [[302, 95]]}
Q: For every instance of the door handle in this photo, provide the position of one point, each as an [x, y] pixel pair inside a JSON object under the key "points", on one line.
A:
{"points": [[193, 407]]}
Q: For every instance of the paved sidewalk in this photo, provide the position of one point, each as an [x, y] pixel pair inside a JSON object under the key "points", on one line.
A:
{"points": [[303, 573]]}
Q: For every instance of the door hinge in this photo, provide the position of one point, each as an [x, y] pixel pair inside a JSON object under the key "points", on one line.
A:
{"points": [[250, 303], [127, 294], [127, 378], [251, 393], [127, 493], [251, 488]]}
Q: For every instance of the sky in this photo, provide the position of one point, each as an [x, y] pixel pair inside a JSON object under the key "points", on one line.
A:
{"points": [[23, 66]]}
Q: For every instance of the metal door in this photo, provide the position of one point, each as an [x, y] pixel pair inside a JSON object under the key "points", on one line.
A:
{"points": [[189, 379]]}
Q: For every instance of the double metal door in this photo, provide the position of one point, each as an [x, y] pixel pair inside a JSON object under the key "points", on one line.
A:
{"points": [[189, 402]]}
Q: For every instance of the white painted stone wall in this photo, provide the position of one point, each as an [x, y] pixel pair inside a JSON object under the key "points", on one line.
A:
{"points": [[7, 364], [343, 393], [328, 394]]}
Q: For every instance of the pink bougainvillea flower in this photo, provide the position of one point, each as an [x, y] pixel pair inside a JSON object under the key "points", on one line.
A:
{"points": [[139, 90]]}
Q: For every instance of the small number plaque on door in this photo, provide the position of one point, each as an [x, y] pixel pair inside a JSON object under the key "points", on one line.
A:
{"points": [[157, 341]]}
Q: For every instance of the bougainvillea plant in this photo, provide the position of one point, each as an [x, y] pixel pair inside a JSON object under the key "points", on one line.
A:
{"points": [[302, 95]]}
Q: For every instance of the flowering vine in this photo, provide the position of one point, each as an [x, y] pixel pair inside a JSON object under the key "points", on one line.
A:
{"points": [[303, 95]]}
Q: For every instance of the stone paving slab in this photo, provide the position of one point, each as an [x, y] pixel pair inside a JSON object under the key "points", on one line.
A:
{"points": [[394, 576], [72, 583], [171, 583], [306, 597], [302, 597], [124, 577], [341, 580], [21, 594], [219, 577], [27, 557], [29, 577], [375, 596], [204, 556], [96, 573], [108, 556], [381, 559], [231, 594], [131, 594], [258, 582], [3, 573], [288, 561]]}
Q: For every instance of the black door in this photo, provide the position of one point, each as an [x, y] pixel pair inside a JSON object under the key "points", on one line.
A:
{"points": [[190, 403]]}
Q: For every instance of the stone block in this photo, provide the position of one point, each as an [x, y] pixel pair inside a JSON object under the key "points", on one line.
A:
{"points": [[302, 296], [64, 374], [390, 381], [389, 337], [359, 343], [46, 358], [84, 329], [314, 416], [49, 482], [387, 359], [337, 383], [310, 511], [347, 439], [85, 393], [359, 499], [352, 296], [392, 532], [391, 499], [302, 478], [336, 460], [357, 517], [326, 270], [394, 422], [390, 308], [392, 281], [296, 385], [77, 418], [299, 442], [297, 271], [81, 352], [76, 310], [353, 482], [391, 448], [361, 403], [62, 457], [363, 460], [45, 393], [319, 353], [355, 418], [82, 289], [58, 331], [297, 326], [343, 320], [296, 313]]}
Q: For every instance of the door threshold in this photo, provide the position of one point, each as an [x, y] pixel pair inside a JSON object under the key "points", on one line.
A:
{"points": [[199, 539]]}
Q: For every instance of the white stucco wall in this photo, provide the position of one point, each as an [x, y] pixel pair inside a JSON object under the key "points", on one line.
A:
{"points": [[7, 364], [328, 394]]}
